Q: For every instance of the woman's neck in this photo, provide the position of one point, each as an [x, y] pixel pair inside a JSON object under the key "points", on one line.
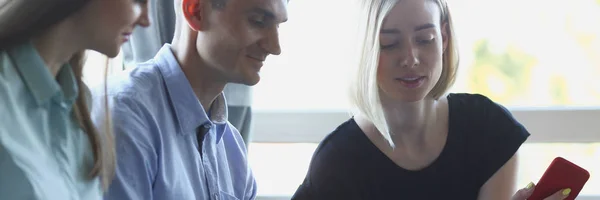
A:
{"points": [[410, 123], [58, 44]]}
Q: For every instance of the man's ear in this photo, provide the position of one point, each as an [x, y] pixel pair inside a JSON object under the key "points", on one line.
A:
{"points": [[193, 11]]}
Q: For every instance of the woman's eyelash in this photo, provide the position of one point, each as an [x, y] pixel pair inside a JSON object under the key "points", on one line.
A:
{"points": [[427, 41]]}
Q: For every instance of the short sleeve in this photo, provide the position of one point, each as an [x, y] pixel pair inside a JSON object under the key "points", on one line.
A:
{"points": [[500, 137]]}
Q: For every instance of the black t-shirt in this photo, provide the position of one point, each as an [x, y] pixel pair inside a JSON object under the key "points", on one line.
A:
{"points": [[482, 137]]}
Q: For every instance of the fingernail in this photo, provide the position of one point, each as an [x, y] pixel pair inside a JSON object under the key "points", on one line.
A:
{"points": [[566, 192], [529, 186]]}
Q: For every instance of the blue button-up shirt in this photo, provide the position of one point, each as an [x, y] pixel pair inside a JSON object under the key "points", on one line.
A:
{"points": [[44, 154], [156, 116]]}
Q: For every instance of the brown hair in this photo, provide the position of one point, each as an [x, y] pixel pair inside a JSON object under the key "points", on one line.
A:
{"points": [[22, 20]]}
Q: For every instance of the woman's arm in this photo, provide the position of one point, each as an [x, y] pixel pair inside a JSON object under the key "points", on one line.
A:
{"points": [[501, 185]]}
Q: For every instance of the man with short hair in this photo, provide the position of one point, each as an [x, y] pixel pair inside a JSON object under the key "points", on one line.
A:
{"points": [[173, 140]]}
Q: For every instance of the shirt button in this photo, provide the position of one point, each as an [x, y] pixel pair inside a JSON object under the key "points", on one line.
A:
{"points": [[64, 105]]}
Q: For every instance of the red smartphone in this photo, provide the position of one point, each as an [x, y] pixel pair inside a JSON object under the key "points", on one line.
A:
{"points": [[561, 174]]}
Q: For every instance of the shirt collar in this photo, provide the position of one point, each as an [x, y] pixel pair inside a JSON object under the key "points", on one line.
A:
{"points": [[42, 85], [188, 110]]}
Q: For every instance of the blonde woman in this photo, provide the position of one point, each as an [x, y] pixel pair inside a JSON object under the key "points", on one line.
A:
{"points": [[49, 148], [409, 139]]}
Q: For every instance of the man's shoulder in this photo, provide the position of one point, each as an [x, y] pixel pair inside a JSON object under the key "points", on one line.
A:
{"points": [[133, 99], [135, 91], [143, 80]]}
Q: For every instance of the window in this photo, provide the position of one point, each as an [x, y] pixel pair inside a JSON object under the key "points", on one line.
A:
{"points": [[519, 53], [93, 70]]}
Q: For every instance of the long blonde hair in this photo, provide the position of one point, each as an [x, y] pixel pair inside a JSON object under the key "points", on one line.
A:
{"points": [[21, 20], [364, 91]]}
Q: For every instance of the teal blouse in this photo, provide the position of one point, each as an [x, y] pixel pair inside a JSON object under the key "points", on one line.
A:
{"points": [[44, 154]]}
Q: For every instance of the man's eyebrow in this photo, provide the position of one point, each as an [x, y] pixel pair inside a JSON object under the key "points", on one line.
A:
{"points": [[268, 14], [263, 11]]}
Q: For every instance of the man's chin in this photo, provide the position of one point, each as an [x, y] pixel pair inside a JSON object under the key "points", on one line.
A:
{"points": [[249, 81], [252, 83]]}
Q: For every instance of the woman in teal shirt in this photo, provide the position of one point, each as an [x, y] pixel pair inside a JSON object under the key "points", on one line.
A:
{"points": [[49, 148]]}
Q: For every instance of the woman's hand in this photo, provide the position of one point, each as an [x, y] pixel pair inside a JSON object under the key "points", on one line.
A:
{"points": [[524, 193]]}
